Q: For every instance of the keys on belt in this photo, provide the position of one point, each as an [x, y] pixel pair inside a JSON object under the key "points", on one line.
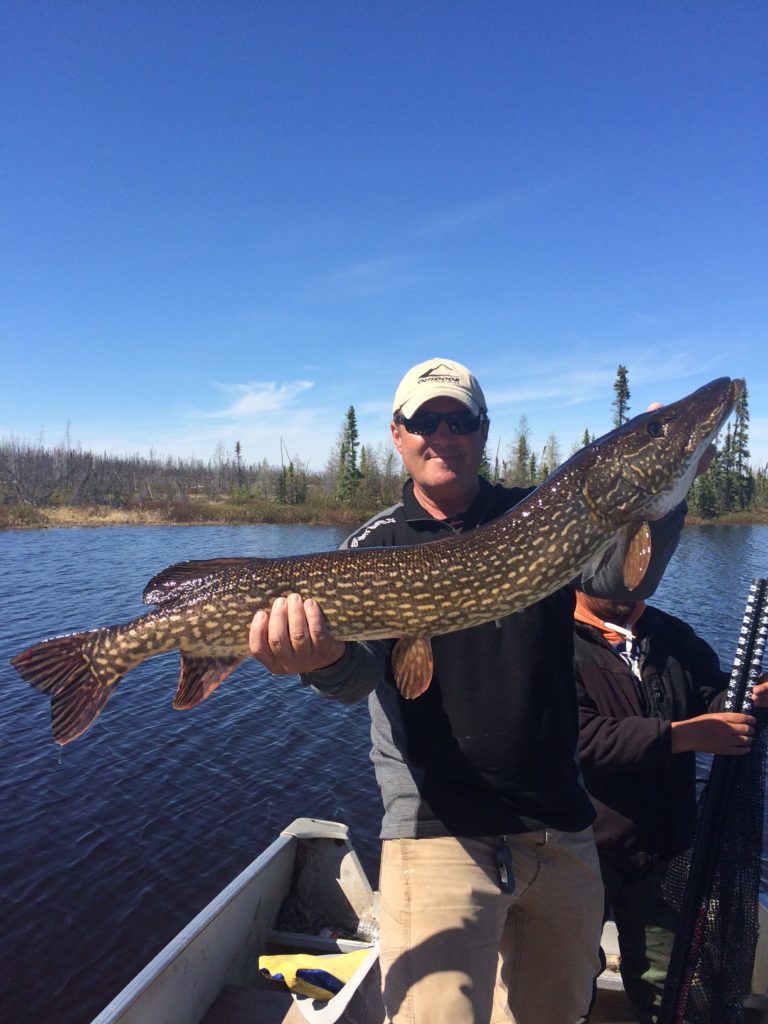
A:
{"points": [[504, 864]]}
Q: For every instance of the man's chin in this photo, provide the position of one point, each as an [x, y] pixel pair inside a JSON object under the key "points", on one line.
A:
{"points": [[442, 474]]}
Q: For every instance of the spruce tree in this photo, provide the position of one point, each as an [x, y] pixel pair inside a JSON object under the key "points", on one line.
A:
{"points": [[520, 457], [744, 481], [621, 401], [349, 477]]}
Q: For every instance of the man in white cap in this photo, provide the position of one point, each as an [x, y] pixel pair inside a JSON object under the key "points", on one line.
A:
{"points": [[491, 896]]}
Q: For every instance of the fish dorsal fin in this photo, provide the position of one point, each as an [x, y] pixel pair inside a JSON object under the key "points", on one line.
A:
{"points": [[200, 677], [637, 555], [412, 664], [174, 580]]}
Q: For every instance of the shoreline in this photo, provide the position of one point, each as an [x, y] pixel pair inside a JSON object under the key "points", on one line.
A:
{"points": [[198, 514], [29, 518]]}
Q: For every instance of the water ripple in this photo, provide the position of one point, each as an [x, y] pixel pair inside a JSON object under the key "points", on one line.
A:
{"points": [[112, 845]]}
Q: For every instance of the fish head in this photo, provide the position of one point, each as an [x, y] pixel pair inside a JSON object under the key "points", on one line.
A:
{"points": [[644, 468]]}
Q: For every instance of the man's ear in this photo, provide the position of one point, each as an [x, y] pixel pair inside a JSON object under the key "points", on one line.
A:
{"points": [[395, 430]]}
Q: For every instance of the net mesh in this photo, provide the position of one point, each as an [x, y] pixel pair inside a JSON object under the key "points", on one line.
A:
{"points": [[716, 883]]}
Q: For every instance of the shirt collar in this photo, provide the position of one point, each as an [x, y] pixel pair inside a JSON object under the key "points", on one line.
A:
{"points": [[477, 512]]}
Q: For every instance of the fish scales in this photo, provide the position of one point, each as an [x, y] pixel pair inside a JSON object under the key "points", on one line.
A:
{"points": [[600, 497]]}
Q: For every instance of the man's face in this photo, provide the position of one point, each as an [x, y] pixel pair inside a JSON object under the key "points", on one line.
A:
{"points": [[442, 462]]}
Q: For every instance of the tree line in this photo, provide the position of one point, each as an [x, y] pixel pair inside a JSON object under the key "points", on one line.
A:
{"points": [[729, 485], [355, 476]]}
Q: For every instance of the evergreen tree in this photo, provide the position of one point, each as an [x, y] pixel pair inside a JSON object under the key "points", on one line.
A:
{"points": [[497, 473], [370, 474], [485, 465], [239, 463], [348, 480], [291, 481], [726, 483], [703, 496], [621, 401], [519, 468], [760, 492], [744, 481], [550, 457]]}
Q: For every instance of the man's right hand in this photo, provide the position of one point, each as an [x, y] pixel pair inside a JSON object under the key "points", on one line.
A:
{"points": [[726, 732], [293, 637]]}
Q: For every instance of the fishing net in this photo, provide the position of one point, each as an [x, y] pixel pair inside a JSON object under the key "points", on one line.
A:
{"points": [[715, 884]]}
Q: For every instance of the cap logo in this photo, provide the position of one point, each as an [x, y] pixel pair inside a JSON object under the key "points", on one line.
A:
{"points": [[432, 376]]}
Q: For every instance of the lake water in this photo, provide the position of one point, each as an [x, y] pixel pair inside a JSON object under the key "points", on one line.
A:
{"points": [[111, 845]]}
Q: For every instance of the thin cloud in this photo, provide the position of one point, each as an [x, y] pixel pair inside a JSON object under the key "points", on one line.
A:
{"points": [[258, 398], [366, 278], [471, 215], [474, 213], [564, 382]]}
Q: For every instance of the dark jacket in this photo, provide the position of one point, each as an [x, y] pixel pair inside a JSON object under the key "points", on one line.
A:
{"points": [[644, 795], [490, 745], [490, 748]]}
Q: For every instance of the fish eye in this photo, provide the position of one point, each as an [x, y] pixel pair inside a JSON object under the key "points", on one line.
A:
{"points": [[655, 428]]}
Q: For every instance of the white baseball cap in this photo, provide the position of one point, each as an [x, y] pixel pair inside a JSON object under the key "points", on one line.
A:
{"points": [[438, 378]]}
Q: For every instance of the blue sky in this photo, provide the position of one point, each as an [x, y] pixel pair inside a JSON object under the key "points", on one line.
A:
{"points": [[228, 221]]}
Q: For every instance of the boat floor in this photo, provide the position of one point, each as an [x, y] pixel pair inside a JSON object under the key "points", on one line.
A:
{"points": [[276, 1006], [259, 1006], [253, 1006]]}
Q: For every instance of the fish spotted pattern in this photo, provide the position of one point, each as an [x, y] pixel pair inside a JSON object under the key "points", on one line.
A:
{"points": [[602, 495]]}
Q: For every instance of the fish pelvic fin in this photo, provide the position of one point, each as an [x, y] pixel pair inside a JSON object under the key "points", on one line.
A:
{"points": [[412, 664], [62, 669], [200, 677], [637, 555]]}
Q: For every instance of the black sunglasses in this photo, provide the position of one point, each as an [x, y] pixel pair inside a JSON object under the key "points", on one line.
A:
{"points": [[426, 423]]}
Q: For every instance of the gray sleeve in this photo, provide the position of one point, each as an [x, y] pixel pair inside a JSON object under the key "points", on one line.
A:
{"points": [[607, 579], [355, 675]]}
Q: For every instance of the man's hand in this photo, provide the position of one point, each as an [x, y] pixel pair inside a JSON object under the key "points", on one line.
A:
{"points": [[760, 692], [726, 732], [293, 637]]}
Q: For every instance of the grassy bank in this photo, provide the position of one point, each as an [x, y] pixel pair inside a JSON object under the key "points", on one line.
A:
{"points": [[208, 513], [756, 518], [193, 513]]}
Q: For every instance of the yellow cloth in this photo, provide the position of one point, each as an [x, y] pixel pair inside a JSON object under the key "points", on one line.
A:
{"points": [[320, 977]]}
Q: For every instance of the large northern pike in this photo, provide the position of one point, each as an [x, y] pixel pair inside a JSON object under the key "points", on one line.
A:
{"points": [[604, 494]]}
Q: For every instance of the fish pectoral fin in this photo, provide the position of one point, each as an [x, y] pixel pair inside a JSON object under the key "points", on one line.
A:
{"points": [[637, 555], [200, 677], [412, 664]]}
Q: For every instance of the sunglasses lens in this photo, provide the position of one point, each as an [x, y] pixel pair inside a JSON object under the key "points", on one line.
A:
{"points": [[463, 423], [422, 423], [426, 423]]}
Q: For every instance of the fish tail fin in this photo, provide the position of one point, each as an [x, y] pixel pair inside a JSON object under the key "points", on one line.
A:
{"points": [[60, 668]]}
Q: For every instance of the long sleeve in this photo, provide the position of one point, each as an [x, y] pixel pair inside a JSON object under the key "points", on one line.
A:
{"points": [[355, 675], [615, 744]]}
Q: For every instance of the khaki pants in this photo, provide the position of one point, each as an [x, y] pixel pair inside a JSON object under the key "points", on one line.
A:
{"points": [[456, 949]]}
